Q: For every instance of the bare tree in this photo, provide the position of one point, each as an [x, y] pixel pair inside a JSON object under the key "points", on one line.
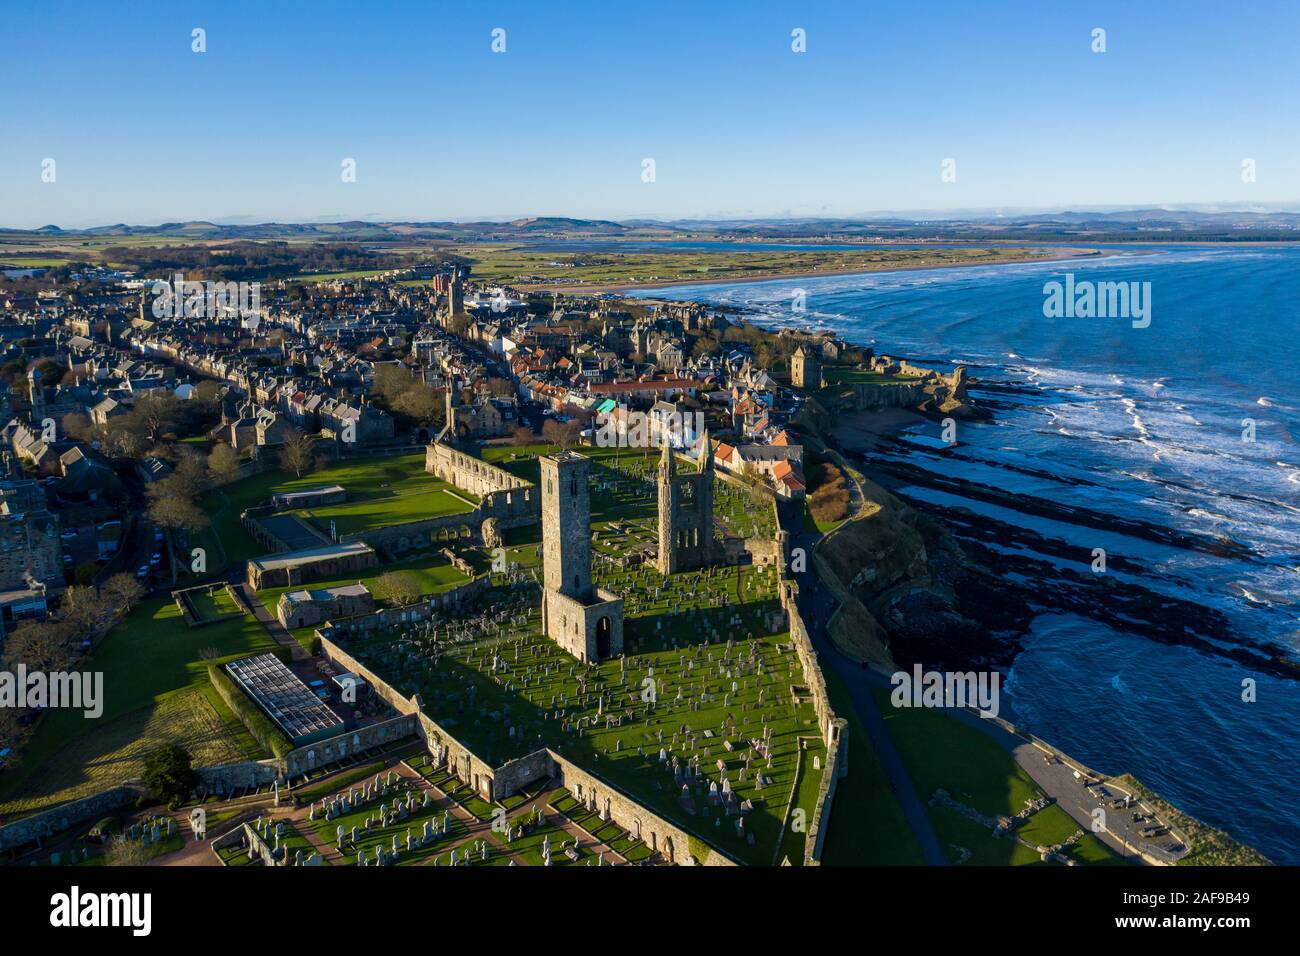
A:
{"points": [[83, 609], [296, 455], [126, 852], [177, 514], [122, 591], [41, 645], [223, 465]]}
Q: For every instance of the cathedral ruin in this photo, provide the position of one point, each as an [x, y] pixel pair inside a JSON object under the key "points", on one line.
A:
{"points": [[686, 539]]}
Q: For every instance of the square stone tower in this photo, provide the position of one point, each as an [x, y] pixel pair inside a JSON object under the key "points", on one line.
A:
{"points": [[805, 369], [566, 524], [584, 620]]}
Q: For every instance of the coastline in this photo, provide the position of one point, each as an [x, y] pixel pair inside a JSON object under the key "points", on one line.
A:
{"points": [[869, 436], [1081, 252]]}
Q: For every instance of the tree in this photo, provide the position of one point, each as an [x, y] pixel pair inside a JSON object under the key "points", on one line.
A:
{"points": [[522, 435], [156, 413], [190, 479], [566, 435], [122, 592], [84, 610], [419, 402], [398, 588], [296, 455], [207, 395], [11, 732], [223, 465], [123, 851], [123, 437], [77, 427], [169, 774], [177, 514], [41, 645]]}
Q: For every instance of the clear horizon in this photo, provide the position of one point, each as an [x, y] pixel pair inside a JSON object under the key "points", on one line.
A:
{"points": [[143, 130]]}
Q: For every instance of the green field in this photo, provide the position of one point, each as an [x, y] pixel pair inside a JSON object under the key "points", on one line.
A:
{"points": [[154, 693], [382, 491], [942, 753], [214, 604], [867, 826], [523, 267], [860, 376]]}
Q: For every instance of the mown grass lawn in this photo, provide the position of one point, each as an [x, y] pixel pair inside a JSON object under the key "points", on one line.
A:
{"points": [[382, 491], [867, 827], [433, 574], [214, 604], [147, 660], [941, 753]]}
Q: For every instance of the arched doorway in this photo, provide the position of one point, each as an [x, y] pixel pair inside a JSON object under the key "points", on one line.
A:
{"points": [[602, 637]]}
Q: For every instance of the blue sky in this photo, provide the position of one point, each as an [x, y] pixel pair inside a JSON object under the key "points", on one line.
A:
{"points": [[143, 130]]}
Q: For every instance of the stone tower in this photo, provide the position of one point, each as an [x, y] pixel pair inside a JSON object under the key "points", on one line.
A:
{"points": [[584, 620], [455, 297], [36, 395], [686, 512], [566, 525], [448, 433], [667, 483], [805, 370]]}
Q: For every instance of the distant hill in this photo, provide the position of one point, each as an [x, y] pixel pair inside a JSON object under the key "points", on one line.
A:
{"points": [[1151, 224]]}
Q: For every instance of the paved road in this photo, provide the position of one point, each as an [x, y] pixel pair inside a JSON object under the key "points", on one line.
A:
{"points": [[816, 604], [278, 633]]}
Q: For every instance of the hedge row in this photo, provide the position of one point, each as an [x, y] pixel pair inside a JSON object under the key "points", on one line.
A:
{"points": [[258, 724]]}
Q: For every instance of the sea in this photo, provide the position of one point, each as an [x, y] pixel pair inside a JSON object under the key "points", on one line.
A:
{"points": [[1190, 422]]}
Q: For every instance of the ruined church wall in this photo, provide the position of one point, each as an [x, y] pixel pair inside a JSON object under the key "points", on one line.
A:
{"points": [[441, 742], [659, 835]]}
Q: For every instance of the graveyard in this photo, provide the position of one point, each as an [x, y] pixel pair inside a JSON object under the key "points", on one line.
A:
{"points": [[705, 719]]}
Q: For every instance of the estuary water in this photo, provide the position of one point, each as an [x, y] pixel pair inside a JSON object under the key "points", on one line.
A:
{"points": [[1191, 423]]}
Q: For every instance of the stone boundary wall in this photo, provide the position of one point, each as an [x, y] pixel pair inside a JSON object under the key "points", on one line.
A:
{"points": [[55, 820], [888, 396], [442, 744], [257, 846], [493, 783], [408, 614], [185, 603], [834, 729], [226, 777], [302, 759], [660, 835]]}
